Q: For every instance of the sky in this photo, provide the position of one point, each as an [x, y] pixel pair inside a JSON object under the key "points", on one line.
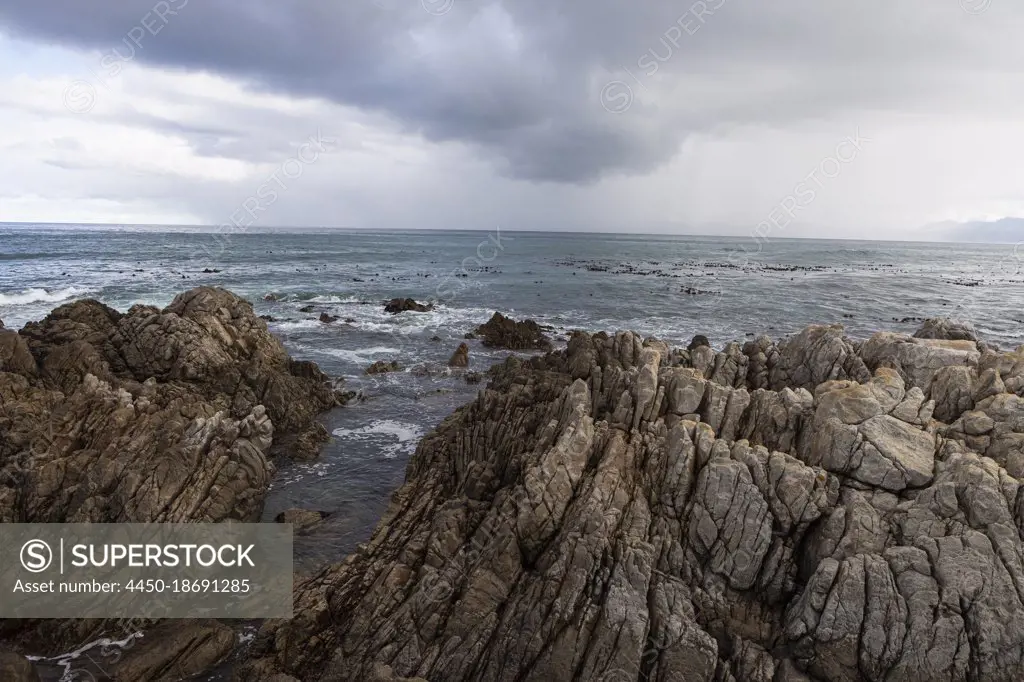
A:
{"points": [[795, 117]]}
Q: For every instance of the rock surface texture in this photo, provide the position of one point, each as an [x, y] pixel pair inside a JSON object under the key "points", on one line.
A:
{"points": [[504, 332], [152, 415], [402, 305], [623, 511]]}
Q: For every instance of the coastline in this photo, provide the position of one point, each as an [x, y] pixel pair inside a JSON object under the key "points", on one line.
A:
{"points": [[687, 483]]}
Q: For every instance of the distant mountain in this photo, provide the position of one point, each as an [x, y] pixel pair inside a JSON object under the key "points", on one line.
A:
{"points": [[1004, 230]]}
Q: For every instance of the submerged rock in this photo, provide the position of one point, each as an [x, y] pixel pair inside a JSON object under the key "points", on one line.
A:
{"points": [[504, 332], [401, 305], [460, 358], [383, 367], [301, 519], [622, 511]]}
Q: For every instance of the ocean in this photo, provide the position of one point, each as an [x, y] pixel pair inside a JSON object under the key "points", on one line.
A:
{"points": [[669, 287]]}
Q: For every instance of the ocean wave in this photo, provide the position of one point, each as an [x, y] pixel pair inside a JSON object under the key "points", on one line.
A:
{"points": [[404, 435], [297, 324], [28, 296], [318, 297], [359, 356]]}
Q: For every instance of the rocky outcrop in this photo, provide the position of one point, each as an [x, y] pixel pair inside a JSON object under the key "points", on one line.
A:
{"points": [[460, 358], [504, 332], [948, 330], [384, 367], [917, 360], [612, 512], [150, 415], [301, 519], [402, 305]]}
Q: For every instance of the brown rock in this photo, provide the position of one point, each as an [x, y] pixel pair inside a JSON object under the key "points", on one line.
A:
{"points": [[402, 305], [504, 332], [175, 650], [460, 358], [382, 367], [301, 519]]}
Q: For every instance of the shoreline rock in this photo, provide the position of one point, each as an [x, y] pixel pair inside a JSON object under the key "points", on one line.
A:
{"points": [[460, 358], [504, 332], [402, 305], [383, 367], [151, 415], [624, 510]]}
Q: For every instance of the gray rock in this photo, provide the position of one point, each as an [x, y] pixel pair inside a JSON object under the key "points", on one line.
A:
{"points": [[917, 360], [947, 329], [598, 531]]}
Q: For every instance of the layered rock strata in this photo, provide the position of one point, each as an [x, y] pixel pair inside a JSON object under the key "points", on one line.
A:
{"points": [[154, 415], [817, 509]]}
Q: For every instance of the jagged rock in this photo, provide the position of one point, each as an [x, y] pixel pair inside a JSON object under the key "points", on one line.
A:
{"points": [[989, 383], [575, 522], [149, 416], [762, 355], [953, 390], [730, 368], [301, 519], [14, 354], [504, 332], [307, 309], [402, 305], [1009, 366], [304, 446], [817, 354], [382, 367], [698, 341], [995, 428], [175, 650], [460, 358], [855, 433], [328, 319], [948, 330], [152, 415], [917, 360]]}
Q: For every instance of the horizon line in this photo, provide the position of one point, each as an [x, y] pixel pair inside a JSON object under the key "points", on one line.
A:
{"points": [[269, 228]]}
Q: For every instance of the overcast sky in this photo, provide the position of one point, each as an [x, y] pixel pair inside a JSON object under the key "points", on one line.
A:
{"points": [[644, 116]]}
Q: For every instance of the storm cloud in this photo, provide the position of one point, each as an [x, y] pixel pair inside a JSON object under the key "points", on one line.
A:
{"points": [[561, 93], [542, 87]]}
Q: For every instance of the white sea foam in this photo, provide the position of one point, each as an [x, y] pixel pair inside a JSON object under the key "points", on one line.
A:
{"points": [[108, 649], [298, 324], [300, 472], [28, 296], [396, 437], [359, 355]]}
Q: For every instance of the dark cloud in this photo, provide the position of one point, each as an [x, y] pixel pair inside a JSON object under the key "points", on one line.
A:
{"points": [[522, 80]]}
